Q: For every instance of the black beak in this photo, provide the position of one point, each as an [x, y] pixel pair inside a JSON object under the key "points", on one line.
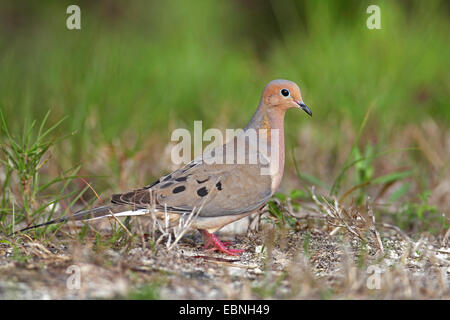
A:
{"points": [[304, 107]]}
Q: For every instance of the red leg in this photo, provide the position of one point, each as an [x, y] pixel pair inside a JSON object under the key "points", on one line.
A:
{"points": [[213, 243]]}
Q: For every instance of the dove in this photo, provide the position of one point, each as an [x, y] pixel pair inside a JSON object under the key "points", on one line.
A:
{"points": [[222, 185]]}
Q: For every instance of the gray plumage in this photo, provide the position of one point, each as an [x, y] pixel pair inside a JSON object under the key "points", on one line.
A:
{"points": [[224, 192]]}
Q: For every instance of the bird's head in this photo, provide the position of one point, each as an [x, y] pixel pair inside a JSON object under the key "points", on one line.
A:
{"points": [[283, 95]]}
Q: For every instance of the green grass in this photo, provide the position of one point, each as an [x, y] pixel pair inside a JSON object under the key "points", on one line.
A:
{"points": [[148, 292], [146, 72], [25, 196]]}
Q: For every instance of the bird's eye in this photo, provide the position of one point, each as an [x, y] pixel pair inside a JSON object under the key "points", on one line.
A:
{"points": [[285, 92]]}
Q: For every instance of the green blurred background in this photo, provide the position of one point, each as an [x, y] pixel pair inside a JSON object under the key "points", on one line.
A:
{"points": [[139, 69]]}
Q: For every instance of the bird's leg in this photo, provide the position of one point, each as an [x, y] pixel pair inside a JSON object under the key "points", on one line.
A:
{"points": [[213, 243]]}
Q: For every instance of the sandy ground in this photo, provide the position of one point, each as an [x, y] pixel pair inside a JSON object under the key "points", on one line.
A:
{"points": [[281, 263]]}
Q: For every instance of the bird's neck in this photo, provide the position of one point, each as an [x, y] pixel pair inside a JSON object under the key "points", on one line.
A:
{"points": [[266, 118], [271, 119]]}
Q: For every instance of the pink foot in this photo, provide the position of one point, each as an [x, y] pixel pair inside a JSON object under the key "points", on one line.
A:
{"points": [[213, 243]]}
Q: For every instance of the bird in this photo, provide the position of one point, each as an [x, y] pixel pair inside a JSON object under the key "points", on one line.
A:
{"points": [[221, 192]]}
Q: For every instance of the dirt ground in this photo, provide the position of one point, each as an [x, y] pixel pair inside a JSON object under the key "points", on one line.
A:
{"points": [[305, 262]]}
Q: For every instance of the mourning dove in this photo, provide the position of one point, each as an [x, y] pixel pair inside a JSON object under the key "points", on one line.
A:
{"points": [[222, 185]]}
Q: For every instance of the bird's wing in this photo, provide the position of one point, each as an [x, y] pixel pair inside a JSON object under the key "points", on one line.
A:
{"points": [[219, 189]]}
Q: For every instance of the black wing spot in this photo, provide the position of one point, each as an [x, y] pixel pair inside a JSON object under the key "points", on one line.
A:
{"points": [[151, 185], [179, 189], [167, 184], [219, 185], [168, 177], [202, 192], [202, 181], [180, 179]]}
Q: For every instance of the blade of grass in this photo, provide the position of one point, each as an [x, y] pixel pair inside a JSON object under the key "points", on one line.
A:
{"points": [[389, 178], [337, 182], [303, 176], [383, 153]]}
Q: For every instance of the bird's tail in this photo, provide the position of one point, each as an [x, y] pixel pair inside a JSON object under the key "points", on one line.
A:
{"points": [[91, 214]]}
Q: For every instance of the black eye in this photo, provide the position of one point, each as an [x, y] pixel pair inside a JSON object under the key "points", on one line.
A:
{"points": [[285, 92]]}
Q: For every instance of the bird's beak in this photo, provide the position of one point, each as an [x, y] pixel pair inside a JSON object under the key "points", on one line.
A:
{"points": [[304, 107]]}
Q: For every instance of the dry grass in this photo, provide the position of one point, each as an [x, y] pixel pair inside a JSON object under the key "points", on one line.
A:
{"points": [[307, 263]]}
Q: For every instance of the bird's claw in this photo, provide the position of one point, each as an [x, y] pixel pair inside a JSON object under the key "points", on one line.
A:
{"points": [[212, 243]]}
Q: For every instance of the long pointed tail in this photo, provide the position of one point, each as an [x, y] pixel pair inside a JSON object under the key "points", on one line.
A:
{"points": [[91, 214]]}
